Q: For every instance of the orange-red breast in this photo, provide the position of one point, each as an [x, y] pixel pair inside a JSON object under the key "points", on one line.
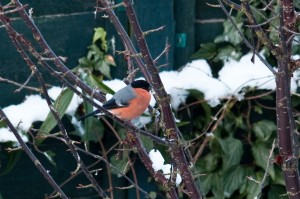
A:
{"points": [[129, 102]]}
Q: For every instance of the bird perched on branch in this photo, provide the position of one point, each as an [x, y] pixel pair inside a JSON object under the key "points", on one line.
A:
{"points": [[129, 102]]}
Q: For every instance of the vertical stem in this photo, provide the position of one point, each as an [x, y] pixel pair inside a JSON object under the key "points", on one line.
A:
{"points": [[285, 132], [163, 100], [288, 139]]}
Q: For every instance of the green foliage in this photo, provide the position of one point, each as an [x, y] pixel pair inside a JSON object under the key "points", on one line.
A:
{"points": [[232, 179], [239, 148], [230, 45], [226, 45], [93, 128], [264, 129], [230, 34], [121, 164], [232, 151], [97, 62], [60, 105], [12, 159], [238, 157]]}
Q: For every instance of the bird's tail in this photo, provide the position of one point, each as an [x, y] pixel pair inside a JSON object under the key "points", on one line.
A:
{"points": [[89, 114]]}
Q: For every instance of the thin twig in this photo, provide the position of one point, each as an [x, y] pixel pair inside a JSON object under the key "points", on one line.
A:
{"points": [[104, 154], [153, 30], [269, 162], [25, 83], [248, 44], [166, 49], [18, 84], [70, 144], [113, 167]]}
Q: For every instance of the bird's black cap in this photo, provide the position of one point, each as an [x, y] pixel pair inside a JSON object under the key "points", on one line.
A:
{"points": [[140, 84]]}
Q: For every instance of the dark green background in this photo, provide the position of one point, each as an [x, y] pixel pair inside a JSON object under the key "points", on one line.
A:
{"points": [[68, 27]]}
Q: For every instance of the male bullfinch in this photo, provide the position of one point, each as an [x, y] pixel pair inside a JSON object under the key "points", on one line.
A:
{"points": [[129, 102]]}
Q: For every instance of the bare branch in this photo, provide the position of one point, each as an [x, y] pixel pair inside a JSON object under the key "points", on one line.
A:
{"points": [[153, 30], [32, 156], [248, 44], [20, 85]]}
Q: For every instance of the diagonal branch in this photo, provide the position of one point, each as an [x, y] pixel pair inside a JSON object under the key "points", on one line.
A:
{"points": [[55, 114], [258, 29], [73, 86], [151, 74], [288, 137], [248, 44], [32, 156]]}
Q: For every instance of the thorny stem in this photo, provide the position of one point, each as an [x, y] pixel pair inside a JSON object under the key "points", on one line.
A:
{"points": [[134, 141], [151, 74], [98, 157], [32, 156], [114, 168], [72, 176], [288, 137], [73, 80], [56, 116], [66, 76], [162, 99], [69, 142], [248, 44]]}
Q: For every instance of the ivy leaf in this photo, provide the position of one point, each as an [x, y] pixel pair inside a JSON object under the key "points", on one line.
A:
{"points": [[211, 161], [260, 153], [277, 192], [207, 182], [206, 117], [206, 51], [230, 34], [100, 34], [182, 123], [146, 142], [121, 165], [60, 105], [95, 53], [217, 187], [258, 109], [227, 51], [253, 189], [232, 151], [84, 62], [268, 97], [295, 99], [233, 179], [91, 80], [264, 129], [2, 124], [104, 68]]}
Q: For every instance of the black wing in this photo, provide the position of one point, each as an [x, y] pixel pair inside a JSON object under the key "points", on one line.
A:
{"points": [[89, 114], [111, 104]]}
